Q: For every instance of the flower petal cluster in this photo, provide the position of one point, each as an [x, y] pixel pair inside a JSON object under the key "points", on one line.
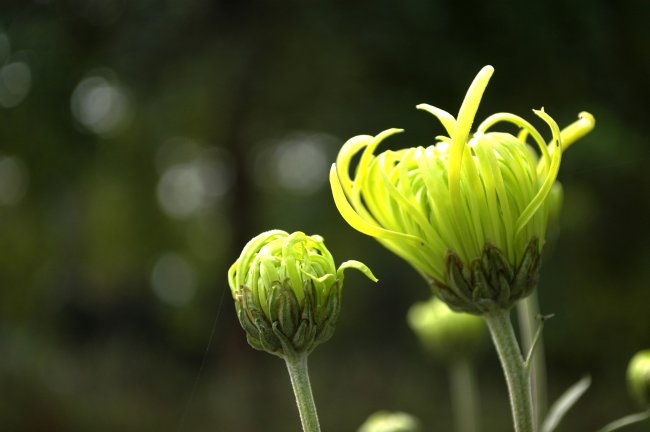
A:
{"points": [[287, 291], [446, 202]]}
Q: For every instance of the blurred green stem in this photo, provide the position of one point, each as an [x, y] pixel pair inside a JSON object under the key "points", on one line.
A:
{"points": [[514, 369], [626, 421], [299, 374], [528, 313], [464, 395]]}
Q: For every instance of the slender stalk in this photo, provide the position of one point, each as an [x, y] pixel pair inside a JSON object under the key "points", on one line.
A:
{"points": [[464, 395], [528, 312], [514, 369], [626, 421], [299, 374]]}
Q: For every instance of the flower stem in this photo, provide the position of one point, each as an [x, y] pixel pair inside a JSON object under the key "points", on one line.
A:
{"points": [[464, 395], [299, 374], [626, 421], [528, 312], [514, 369]]}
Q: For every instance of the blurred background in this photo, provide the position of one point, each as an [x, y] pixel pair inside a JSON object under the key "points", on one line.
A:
{"points": [[143, 143]]}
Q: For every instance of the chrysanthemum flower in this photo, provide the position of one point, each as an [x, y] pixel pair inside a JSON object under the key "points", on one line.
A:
{"points": [[469, 212], [287, 291]]}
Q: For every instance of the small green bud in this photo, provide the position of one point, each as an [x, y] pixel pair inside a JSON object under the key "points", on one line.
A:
{"points": [[385, 421], [638, 378], [287, 291], [469, 212], [446, 334]]}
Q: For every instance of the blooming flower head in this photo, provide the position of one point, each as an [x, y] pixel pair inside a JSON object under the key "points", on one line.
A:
{"points": [[287, 291], [468, 212]]}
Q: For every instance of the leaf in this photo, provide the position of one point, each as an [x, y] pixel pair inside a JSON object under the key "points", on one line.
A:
{"points": [[564, 404], [626, 421]]}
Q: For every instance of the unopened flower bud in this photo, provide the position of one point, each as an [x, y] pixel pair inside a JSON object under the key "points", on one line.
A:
{"points": [[287, 291], [469, 212], [446, 334], [384, 421], [638, 378]]}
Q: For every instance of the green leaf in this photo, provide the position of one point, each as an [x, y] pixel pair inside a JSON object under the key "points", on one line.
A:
{"points": [[564, 404]]}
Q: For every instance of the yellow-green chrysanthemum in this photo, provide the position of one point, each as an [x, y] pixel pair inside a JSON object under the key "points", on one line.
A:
{"points": [[287, 291], [451, 208]]}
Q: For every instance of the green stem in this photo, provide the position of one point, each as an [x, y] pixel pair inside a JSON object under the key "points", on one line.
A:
{"points": [[464, 395], [528, 312], [514, 369], [299, 374]]}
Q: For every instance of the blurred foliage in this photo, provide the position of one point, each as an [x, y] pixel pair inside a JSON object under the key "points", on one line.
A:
{"points": [[143, 143]]}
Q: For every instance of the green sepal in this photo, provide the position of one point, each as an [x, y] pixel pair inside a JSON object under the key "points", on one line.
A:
{"points": [[290, 328], [489, 282], [246, 324], [300, 337], [329, 312], [266, 336], [528, 272], [458, 278], [259, 331], [255, 343], [289, 311], [326, 332], [482, 288], [303, 339], [284, 308], [448, 296], [327, 322], [288, 349], [498, 261], [505, 293]]}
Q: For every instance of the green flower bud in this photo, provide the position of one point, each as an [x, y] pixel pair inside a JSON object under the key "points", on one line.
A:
{"points": [[446, 334], [638, 378], [384, 421], [287, 291], [469, 212]]}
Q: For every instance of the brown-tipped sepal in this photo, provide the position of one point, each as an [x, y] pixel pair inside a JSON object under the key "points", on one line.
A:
{"points": [[290, 327], [489, 282]]}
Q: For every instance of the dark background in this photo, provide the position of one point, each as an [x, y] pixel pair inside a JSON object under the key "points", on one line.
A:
{"points": [[143, 143]]}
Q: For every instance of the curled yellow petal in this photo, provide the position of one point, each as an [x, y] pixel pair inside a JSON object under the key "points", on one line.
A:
{"points": [[577, 129], [464, 124], [356, 221], [554, 168], [347, 152], [354, 264], [448, 121]]}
